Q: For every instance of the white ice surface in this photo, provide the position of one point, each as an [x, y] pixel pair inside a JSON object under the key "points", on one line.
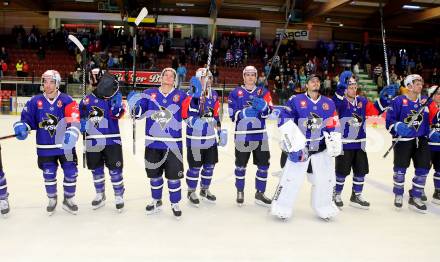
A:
{"points": [[219, 232]]}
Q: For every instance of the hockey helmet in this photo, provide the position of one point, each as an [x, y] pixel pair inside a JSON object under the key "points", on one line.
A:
{"points": [[250, 70], [169, 69], [409, 80], [201, 72], [52, 75]]}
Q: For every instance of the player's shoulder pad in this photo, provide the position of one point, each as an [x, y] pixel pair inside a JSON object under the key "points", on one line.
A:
{"points": [[292, 97]]}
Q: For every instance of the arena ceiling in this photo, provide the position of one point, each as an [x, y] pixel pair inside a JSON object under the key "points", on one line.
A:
{"points": [[424, 15]]}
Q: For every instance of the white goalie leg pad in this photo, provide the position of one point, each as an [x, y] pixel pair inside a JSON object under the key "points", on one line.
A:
{"points": [[292, 178], [323, 181], [292, 137]]}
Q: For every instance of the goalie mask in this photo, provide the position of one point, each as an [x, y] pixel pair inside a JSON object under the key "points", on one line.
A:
{"points": [[107, 86]]}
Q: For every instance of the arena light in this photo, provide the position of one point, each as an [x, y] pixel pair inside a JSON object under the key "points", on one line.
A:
{"points": [[184, 4], [412, 7]]}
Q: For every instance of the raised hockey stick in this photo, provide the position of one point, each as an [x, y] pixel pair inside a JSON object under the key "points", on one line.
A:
{"points": [[275, 57], [83, 109], [413, 118], [387, 74], [142, 14]]}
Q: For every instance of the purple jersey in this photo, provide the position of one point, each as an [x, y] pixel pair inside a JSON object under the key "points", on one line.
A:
{"points": [[313, 117], [207, 136], [164, 115], [252, 128], [50, 119], [353, 116], [403, 109], [102, 122]]}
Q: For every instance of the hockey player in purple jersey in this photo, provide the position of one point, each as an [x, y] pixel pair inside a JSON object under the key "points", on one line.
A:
{"points": [[203, 136], [4, 203], [308, 125], [353, 111], [55, 117], [249, 106], [162, 109], [434, 140], [100, 114], [412, 142]]}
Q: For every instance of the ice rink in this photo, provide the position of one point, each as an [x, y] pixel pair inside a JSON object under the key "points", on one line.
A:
{"points": [[212, 232]]}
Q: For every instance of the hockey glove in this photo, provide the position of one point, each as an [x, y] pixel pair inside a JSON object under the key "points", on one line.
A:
{"points": [[70, 137], [259, 104], [21, 130], [435, 137], [333, 143], [116, 100], [222, 137], [403, 130], [298, 156], [195, 87], [389, 92]]}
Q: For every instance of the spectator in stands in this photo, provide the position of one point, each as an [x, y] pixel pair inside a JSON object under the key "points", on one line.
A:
{"points": [[327, 85], [380, 82], [377, 72], [419, 67], [3, 68], [393, 77], [160, 50], [356, 69], [19, 68], [435, 77], [110, 62], [4, 54], [302, 79], [41, 53], [229, 58], [262, 80], [76, 76], [215, 74], [174, 62], [25, 69], [181, 73]]}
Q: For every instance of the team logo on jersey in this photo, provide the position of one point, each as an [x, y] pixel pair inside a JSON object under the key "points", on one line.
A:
{"points": [[59, 104], [40, 104], [313, 122], [325, 106], [436, 127], [259, 91], [303, 104], [153, 96], [96, 115], [240, 93], [356, 120], [162, 116], [176, 98], [49, 124], [405, 102], [360, 105], [209, 112], [417, 122]]}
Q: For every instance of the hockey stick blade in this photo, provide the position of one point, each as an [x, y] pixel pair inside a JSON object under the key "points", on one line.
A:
{"points": [[76, 42], [142, 14]]}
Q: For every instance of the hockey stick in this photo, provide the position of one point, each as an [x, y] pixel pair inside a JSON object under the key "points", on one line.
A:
{"points": [[83, 109], [387, 74], [208, 63], [413, 118], [142, 14], [223, 98], [275, 57], [6, 137]]}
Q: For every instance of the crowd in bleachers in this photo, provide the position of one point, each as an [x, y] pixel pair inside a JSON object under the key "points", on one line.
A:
{"points": [[35, 52]]}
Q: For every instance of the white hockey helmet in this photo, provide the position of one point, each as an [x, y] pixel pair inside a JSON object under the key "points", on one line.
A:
{"points": [[409, 80], [202, 72], [251, 70], [95, 76], [172, 70], [53, 75]]}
